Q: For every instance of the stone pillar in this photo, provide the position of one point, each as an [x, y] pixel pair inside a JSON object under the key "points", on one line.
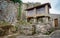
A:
{"points": [[46, 9], [46, 12], [34, 20], [35, 15], [46, 19], [26, 16]]}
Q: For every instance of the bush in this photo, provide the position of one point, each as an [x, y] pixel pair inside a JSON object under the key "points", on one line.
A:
{"points": [[4, 27], [2, 32], [4, 23]]}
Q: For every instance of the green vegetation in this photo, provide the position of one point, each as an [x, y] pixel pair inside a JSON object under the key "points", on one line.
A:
{"points": [[2, 32], [20, 4], [15, 1], [23, 22], [4, 23], [4, 27]]}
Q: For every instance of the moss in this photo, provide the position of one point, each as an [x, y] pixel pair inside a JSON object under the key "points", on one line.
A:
{"points": [[4, 23], [4, 27], [22, 22]]}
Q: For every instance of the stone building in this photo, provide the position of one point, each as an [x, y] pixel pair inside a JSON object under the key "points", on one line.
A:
{"points": [[56, 20], [41, 16], [25, 6], [39, 13]]}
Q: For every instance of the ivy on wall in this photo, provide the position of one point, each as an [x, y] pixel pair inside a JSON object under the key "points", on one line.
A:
{"points": [[20, 4]]}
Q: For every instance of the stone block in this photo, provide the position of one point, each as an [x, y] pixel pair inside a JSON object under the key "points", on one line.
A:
{"points": [[55, 34], [42, 28], [27, 29]]}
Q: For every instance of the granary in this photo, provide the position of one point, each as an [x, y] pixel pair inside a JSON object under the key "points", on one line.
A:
{"points": [[41, 14]]}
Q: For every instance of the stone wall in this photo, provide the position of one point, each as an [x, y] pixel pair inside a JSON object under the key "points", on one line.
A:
{"points": [[9, 11], [54, 16], [55, 34], [26, 29], [33, 29]]}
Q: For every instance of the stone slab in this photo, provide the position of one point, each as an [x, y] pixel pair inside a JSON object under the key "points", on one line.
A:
{"points": [[55, 34]]}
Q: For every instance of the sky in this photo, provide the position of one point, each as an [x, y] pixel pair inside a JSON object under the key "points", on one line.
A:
{"points": [[55, 5]]}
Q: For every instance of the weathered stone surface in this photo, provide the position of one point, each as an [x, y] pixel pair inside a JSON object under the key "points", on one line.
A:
{"points": [[12, 37], [27, 29], [33, 36], [42, 28], [9, 11], [27, 37], [55, 34]]}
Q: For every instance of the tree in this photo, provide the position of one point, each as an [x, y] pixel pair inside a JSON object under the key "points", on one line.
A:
{"points": [[15, 1], [20, 3]]}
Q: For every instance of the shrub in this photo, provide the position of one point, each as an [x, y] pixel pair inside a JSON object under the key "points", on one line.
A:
{"points": [[4, 27]]}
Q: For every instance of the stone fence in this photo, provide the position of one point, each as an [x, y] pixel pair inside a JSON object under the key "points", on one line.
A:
{"points": [[55, 34]]}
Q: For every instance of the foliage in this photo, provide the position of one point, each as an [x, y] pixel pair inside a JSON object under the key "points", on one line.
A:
{"points": [[22, 22], [15, 1], [3, 23], [3, 27], [20, 3], [16, 28], [2, 32]]}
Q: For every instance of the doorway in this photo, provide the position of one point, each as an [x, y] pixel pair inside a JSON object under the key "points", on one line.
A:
{"points": [[56, 22]]}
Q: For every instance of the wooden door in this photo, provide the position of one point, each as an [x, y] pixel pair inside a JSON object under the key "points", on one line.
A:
{"points": [[56, 22]]}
